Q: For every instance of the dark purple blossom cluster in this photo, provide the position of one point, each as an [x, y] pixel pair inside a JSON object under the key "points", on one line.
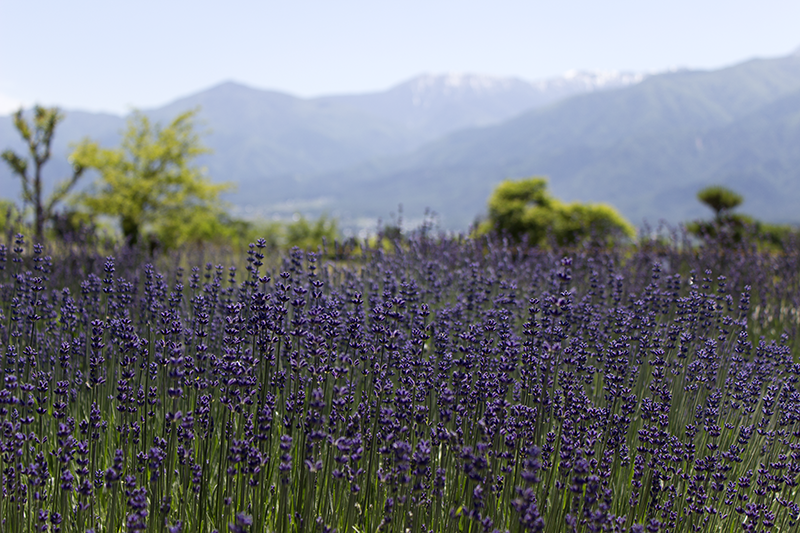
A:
{"points": [[450, 385]]}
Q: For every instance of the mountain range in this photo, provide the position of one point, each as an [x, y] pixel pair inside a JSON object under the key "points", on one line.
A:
{"points": [[646, 149], [643, 143]]}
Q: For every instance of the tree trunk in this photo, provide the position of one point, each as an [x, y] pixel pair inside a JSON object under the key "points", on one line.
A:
{"points": [[130, 230]]}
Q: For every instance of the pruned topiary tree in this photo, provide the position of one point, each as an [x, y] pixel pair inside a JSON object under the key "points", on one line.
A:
{"points": [[721, 199]]}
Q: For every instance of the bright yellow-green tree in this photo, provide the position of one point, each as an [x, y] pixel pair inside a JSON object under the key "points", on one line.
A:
{"points": [[525, 209], [151, 185]]}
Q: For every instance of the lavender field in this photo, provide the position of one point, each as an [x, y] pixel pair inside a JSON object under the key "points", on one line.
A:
{"points": [[446, 385]]}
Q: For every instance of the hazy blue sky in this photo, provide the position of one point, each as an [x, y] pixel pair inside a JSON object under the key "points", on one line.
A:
{"points": [[111, 55]]}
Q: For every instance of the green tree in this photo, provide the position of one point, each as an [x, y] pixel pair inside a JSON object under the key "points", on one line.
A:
{"points": [[38, 137], [525, 209], [151, 185], [720, 199]]}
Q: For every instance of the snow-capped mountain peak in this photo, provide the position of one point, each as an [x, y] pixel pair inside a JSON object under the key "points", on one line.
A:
{"points": [[441, 103], [590, 80], [428, 89]]}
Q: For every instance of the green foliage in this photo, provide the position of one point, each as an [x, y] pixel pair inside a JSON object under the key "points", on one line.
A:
{"points": [[39, 137], [729, 229], [720, 199], [775, 236], [725, 230], [308, 234], [524, 209], [150, 185], [735, 228], [9, 215], [304, 233]]}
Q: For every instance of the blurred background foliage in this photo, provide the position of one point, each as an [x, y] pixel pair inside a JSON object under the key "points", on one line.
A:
{"points": [[151, 186], [151, 193], [525, 211], [729, 229], [9, 213], [37, 135]]}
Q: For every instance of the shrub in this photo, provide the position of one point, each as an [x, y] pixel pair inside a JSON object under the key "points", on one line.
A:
{"points": [[524, 210]]}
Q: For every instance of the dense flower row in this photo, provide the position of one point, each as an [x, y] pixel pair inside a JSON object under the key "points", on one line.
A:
{"points": [[451, 385]]}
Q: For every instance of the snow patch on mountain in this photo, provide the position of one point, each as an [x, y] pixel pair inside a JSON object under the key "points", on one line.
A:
{"points": [[426, 90], [590, 80]]}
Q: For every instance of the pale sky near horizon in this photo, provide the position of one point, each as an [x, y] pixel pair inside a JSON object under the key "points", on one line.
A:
{"points": [[110, 56]]}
